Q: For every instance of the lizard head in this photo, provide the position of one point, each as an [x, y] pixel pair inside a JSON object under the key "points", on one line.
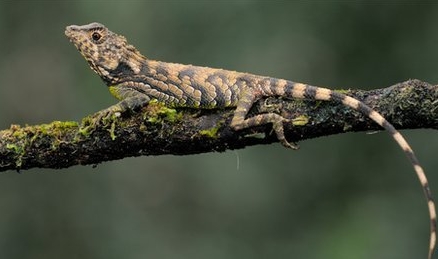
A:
{"points": [[107, 53]]}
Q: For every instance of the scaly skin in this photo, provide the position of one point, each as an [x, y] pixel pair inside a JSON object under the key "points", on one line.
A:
{"points": [[135, 80]]}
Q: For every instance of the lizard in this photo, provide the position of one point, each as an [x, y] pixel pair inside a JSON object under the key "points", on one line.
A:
{"points": [[135, 80]]}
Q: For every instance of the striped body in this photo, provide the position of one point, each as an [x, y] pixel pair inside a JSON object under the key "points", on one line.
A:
{"points": [[135, 80], [180, 85]]}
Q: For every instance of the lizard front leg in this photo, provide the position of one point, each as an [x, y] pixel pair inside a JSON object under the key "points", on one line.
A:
{"points": [[130, 100]]}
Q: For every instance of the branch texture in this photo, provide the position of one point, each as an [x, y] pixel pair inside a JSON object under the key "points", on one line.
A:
{"points": [[158, 130]]}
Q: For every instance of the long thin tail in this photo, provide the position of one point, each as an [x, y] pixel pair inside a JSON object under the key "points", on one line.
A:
{"points": [[298, 90], [401, 141]]}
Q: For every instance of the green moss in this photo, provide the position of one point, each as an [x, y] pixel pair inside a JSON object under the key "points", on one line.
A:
{"points": [[20, 133], [46, 134], [114, 90], [86, 127], [159, 112], [211, 132], [54, 130], [66, 124], [341, 91], [300, 120], [15, 148], [171, 115], [18, 153], [112, 130], [56, 127], [111, 121], [84, 131]]}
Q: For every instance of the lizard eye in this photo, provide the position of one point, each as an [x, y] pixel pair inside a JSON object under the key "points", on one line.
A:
{"points": [[96, 36]]}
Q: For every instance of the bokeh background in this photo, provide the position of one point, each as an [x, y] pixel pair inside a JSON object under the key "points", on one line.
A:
{"points": [[346, 196]]}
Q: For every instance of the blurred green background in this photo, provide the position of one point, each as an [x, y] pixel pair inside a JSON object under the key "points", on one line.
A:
{"points": [[346, 196]]}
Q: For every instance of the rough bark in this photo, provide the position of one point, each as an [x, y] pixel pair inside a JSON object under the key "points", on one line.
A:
{"points": [[158, 130]]}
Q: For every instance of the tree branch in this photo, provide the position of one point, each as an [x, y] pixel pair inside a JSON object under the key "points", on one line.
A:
{"points": [[158, 130]]}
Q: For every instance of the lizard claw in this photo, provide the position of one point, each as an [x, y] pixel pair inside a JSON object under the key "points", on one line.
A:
{"points": [[279, 131], [108, 114], [291, 145], [130, 104]]}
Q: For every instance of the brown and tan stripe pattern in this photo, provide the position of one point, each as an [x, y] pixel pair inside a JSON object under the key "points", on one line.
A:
{"points": [[316, 93]]}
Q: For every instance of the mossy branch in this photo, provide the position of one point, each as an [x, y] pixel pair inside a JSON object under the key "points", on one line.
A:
{"points": [[158, 130]]}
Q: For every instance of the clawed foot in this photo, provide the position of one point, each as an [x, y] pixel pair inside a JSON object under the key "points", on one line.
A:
{"points": [[133, 103], [279, 131], [291, 145], [108, 114], [277, 125]]}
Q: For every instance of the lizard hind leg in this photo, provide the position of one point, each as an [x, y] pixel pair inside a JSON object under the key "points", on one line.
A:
{"points": [[277, 126], [239, 120]]}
